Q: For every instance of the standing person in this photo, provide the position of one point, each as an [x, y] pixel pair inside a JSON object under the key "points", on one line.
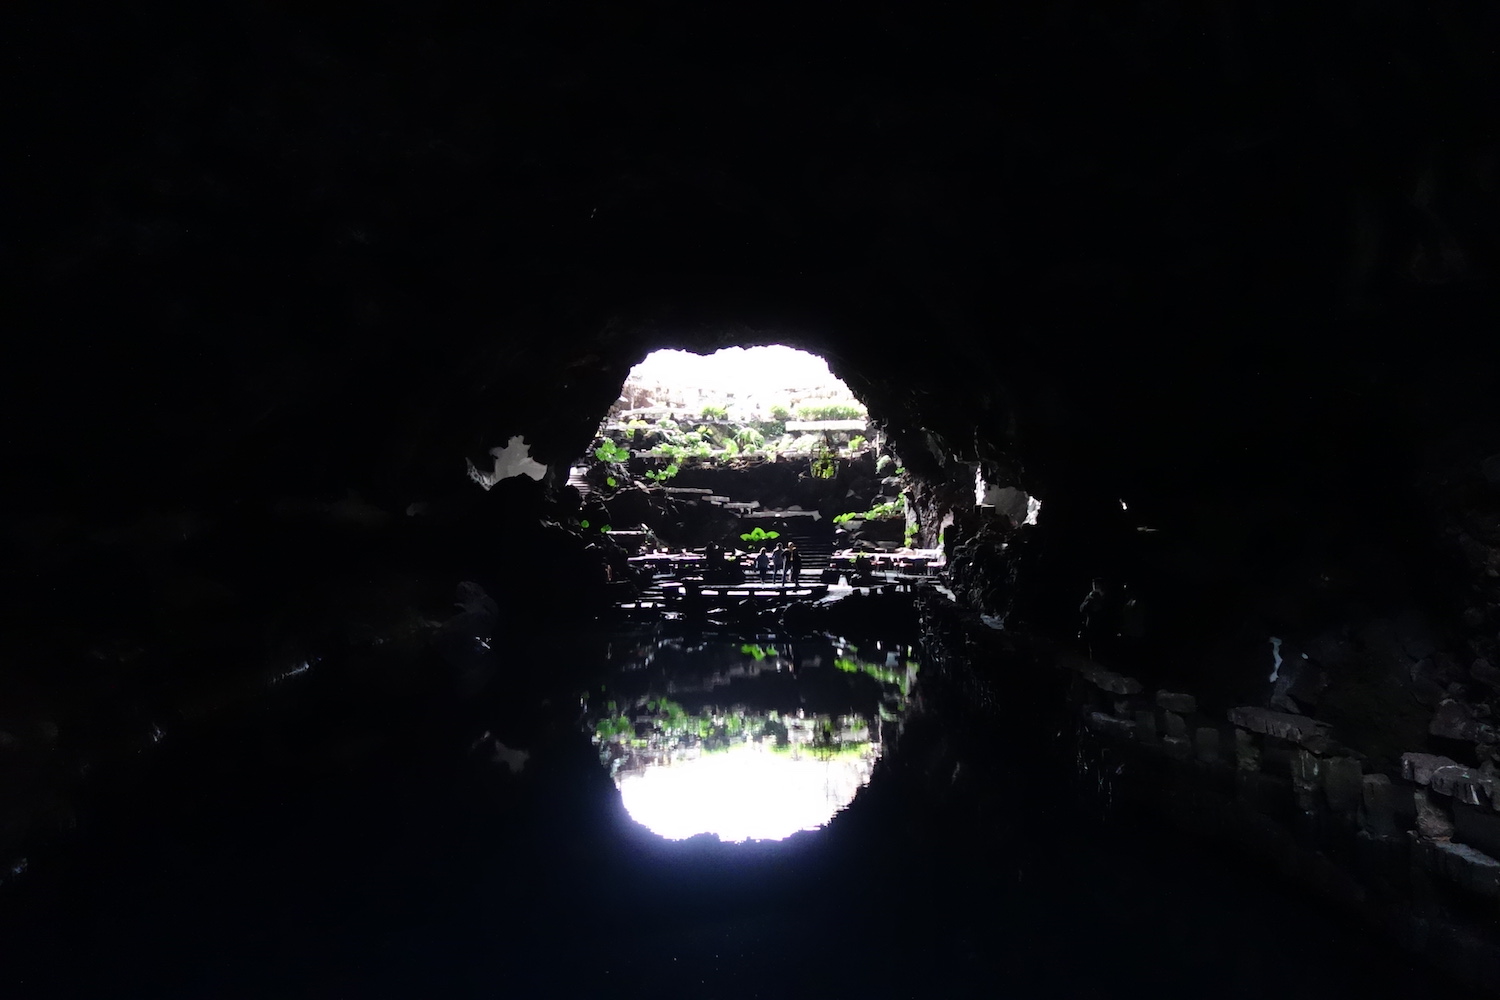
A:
{"points": [[762, 563], [794, 561], [778, 561], [1097, 613]]}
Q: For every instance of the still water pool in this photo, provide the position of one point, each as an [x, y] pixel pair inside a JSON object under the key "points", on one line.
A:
{"points": [[646, 815], [748, 740]]}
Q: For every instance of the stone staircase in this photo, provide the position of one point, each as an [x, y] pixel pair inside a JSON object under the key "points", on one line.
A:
{"points": [[576, 480], [815, 550]]}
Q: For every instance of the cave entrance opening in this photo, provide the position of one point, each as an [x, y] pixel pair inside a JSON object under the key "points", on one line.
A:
{"points": [[740, 404], [743, 450]]}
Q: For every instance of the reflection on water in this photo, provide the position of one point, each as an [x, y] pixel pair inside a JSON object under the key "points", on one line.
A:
{"points": [[747, 741]]}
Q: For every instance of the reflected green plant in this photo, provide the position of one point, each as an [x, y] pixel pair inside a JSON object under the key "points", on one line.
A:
{"points": [[883, 674], [607, 728]]}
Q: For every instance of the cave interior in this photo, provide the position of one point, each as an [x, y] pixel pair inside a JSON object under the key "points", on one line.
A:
{"points": [[290, 703]]}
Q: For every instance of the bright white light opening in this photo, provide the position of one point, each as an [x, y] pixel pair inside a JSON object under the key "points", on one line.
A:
{"points": [[747, 381], [511, 459], [747, 792], [1020, 506]]}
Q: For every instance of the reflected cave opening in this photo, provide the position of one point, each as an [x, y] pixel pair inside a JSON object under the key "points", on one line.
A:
{"points": [[758, 740]]}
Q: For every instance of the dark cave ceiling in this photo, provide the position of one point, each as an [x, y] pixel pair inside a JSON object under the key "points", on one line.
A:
{"points": [[269, 250]]}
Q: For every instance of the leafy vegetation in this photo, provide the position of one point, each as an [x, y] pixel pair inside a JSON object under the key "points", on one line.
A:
{"points": [[882, 463], [719, 438], [759, 534], [611, 452], [619, 726], [829, 750], [749, 437], [901, 677], [829, 411], [756, 652], [824, 465], [880, 512], [714, 729]]}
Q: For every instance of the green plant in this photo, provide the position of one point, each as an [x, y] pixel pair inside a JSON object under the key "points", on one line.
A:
{"points": [[731, 448], [779, 412], [611, 452], [879, 512], [883, 674], [663, 475], [823, 464], [749, 437], [759, 534], [911, 532], [756, 652], [856, 442], [830, 411], [610, 481], [712, 412], [609, 727]]}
